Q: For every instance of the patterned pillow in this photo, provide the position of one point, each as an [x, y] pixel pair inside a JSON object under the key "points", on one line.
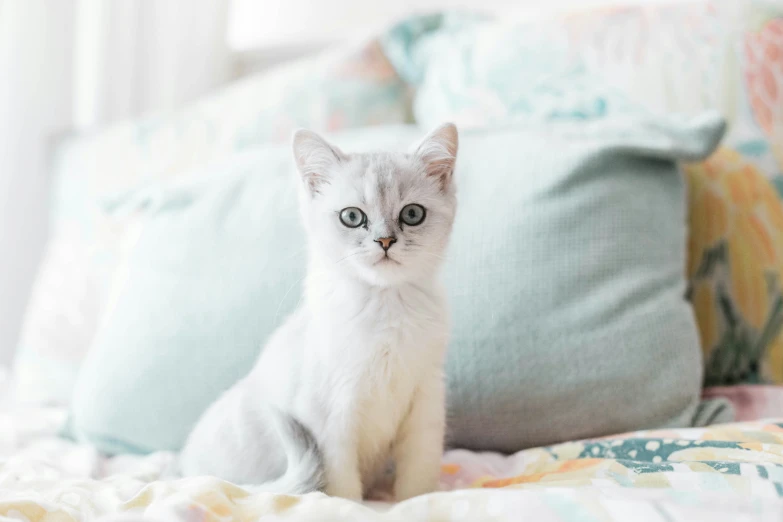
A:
{"points": [[683, 57], [349, 87]]}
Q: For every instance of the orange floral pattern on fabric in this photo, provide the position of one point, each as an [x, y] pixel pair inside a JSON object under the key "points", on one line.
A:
{"points": [[735, 265]]}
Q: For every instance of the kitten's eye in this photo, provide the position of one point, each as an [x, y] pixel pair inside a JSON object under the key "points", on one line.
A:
{"points": [[352, 217], [413, 214]]}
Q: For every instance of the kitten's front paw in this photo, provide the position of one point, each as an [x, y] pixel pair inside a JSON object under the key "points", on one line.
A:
{"points": [[347, 487], [406, 489]]}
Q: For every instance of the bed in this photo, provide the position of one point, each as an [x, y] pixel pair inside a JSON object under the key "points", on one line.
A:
{"points": [[731, 472]]}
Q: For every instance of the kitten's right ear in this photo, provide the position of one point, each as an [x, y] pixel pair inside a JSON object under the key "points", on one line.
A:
{"points": [[438, 151], [315, 158]]}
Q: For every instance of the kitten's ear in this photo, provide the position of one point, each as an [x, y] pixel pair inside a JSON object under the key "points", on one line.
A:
{"points": [[315, 157], [438, 151]]}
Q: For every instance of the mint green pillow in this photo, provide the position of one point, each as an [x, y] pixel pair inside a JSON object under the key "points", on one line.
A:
{"points": [[565, 274]]}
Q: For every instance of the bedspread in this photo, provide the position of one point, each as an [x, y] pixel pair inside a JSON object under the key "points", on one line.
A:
{"points": [[731, 472]]}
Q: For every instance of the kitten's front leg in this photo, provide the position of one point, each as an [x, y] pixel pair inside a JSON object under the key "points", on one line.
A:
{"points": [[341, 458], [419, 447], [342, 475]]}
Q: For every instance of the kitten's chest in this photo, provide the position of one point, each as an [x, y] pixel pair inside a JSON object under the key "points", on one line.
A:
{"points": [[393, 347], [372, 351], [397, 322], [386, 370]]}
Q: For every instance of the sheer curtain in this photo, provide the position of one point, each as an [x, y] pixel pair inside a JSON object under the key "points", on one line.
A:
{"points": [[71, 65], [133, 56], [36, 43]]}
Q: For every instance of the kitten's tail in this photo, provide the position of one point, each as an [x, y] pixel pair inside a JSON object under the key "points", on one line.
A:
{"points": [[305, 472]]}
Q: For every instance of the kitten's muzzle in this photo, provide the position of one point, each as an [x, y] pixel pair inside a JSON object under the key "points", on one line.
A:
{"points": [[386, 242]]}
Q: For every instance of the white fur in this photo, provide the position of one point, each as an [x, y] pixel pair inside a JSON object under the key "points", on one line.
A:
{"points": [[360, 363]]}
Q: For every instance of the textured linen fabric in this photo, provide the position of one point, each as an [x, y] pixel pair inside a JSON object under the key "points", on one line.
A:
{"points": [[565, 276]]}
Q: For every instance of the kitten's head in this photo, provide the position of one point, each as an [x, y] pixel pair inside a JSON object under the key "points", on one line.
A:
{"points": [[385, 217]]}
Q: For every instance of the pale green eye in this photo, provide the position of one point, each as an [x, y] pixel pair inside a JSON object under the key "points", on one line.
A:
{"points": [[413, 214], [352, 217]]}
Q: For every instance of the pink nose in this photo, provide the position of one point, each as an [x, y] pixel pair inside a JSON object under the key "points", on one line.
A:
{"points": [[386, 242]]}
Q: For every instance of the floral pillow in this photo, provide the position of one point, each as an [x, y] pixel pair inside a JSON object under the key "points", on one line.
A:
{"points": [[348, 87]]}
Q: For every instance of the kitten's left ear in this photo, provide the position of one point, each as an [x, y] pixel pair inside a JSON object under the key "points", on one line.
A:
{"points": [[438, 151]]}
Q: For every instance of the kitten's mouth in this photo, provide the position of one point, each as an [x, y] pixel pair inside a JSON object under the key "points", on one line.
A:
{"points": [[386, 259]]}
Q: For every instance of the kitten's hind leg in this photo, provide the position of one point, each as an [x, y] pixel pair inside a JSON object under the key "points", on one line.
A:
{"points": [[234, 440]]}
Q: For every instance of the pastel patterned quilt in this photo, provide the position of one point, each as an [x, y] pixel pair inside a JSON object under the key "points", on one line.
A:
{"points": [[731, 472]]}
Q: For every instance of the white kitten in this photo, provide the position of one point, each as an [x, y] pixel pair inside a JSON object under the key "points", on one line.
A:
{"points": [[354, 378]]}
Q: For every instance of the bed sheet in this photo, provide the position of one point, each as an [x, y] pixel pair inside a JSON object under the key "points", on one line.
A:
{"points": [[732, 472]]}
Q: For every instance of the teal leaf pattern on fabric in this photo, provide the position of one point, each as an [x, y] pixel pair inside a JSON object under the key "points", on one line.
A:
{"points": [[646, 450]]}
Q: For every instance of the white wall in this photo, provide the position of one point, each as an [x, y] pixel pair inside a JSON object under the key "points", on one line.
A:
{"points": [[136, 56], [270, 23]]}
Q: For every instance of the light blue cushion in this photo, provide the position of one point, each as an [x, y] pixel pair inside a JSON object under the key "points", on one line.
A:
{"points": [[565, 274]]}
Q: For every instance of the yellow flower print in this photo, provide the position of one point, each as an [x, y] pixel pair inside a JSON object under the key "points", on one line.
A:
{"points": [[748, 285], [735, 265], [773, 367]]}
